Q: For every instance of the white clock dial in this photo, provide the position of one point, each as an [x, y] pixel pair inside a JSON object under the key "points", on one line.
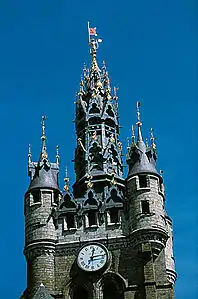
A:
{"points": [[92, 257]]}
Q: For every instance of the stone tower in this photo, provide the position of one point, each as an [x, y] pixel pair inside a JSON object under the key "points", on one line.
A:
{"points": [[109, 238]]}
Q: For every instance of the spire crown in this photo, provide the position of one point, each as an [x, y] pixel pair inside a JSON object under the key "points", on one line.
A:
{"points": [[44, 154]]}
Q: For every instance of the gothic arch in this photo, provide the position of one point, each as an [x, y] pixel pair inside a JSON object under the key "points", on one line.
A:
{"points": [[113, 286], [81, 288]]}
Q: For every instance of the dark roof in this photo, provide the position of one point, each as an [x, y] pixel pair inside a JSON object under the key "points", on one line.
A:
{"points": [[143, 166], [44, 177], [42, 293], [142, 159]]}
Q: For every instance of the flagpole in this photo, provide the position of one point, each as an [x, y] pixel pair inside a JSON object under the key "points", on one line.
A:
{"points": [[88, 31]]}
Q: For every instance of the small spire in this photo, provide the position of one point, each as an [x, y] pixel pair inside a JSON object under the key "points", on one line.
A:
{"points": [[138, 123], [94, 46], [128, 144], [43, 138], [115, 93], [152, 139], [106, 79], [66, 180], [85, 71], [29, 154], [133, 135], [57, 155], [81, 84], [147, 143]]}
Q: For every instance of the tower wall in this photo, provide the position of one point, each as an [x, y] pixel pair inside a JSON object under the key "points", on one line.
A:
{"points": [[40, 239], [154, 216], [170, 262]]}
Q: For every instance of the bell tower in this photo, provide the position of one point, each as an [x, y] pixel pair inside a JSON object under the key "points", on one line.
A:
{"points": [[105, 237]]}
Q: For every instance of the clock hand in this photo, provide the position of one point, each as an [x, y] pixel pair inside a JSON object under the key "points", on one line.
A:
{"points": [[98, 255], [95, 259]]}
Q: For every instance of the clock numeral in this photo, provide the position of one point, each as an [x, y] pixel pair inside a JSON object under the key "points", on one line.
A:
{"points": [[92, 267], [101, 261], [87, 267]]}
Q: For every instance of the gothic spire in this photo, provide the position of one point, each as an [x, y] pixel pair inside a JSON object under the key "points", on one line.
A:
{"points": [[141, 158], [99, 149], [43, 174], [44, 154]]}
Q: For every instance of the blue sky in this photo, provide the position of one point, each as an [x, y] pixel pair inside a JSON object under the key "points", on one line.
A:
{"points": [[150, 48]]}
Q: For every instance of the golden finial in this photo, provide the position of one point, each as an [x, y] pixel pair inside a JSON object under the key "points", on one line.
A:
{"points": [[138, 114], [66, 180], [94, 46], [113, 181], [94, 135], [57, 155], [115, 92], [133, 135], [90, 183], [128, 144], [120, 146], [43, 138], [29, 154], [112, 138], [152, 139]]}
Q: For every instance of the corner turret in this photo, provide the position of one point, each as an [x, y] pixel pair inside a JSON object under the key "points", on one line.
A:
{"points": [[41, 199]]}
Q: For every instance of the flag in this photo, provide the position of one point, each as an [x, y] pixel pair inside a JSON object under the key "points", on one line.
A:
{"points": [[92, 31]]}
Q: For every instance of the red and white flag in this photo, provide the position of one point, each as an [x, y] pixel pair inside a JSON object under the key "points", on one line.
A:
{"points": [[92, 31]]}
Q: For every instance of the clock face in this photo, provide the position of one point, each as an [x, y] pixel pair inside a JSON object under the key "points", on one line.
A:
{"points": [[92, 257]]}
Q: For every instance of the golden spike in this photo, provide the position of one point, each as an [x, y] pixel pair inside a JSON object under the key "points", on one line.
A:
{"points": [[66, 180], [90, 183], [113, 181], [85, 70], [128, 144], [94, 45], [152, 138], [57, 155], [29, 154], [138, 114], [133, 135], [81, 84], [43, 138], [147, 142], [115, 92]]}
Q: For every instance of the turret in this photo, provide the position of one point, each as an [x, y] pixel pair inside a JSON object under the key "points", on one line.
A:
{"points": [[145, 195], [41, 198]]}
